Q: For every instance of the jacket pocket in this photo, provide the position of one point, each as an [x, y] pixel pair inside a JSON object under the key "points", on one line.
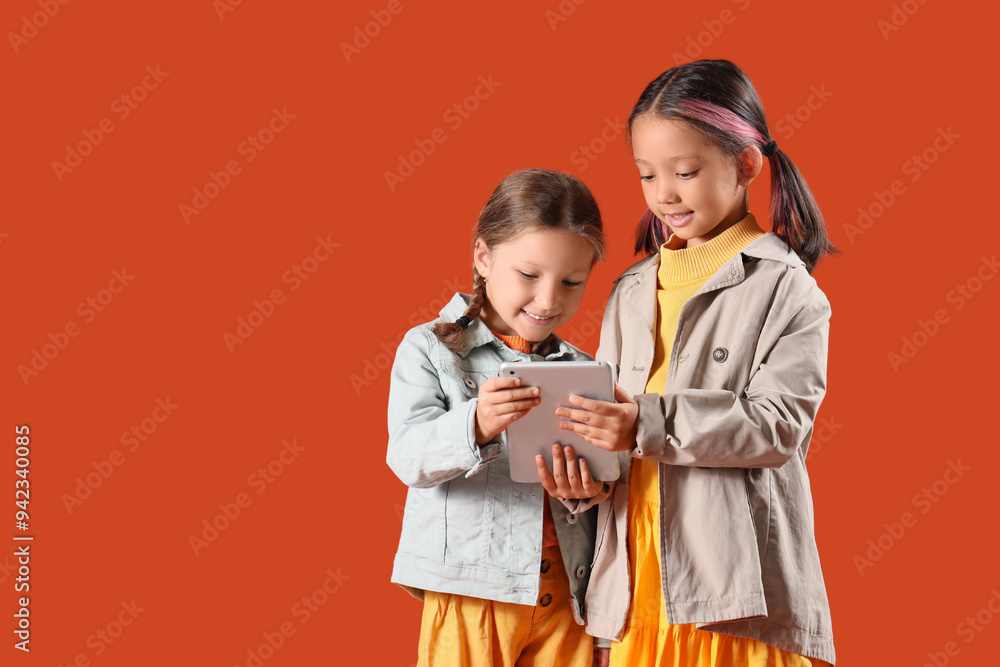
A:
{"points": [[467, 376]]}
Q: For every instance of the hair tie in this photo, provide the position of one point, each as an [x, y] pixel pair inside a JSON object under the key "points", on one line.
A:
{"points": [[463, 321], [770, 149]]}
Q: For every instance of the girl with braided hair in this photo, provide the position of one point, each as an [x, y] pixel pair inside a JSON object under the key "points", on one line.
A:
{"points": [[502, 567]]}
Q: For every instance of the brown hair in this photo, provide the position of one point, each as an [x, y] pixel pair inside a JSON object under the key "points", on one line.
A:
{"points": [[526, 201]]}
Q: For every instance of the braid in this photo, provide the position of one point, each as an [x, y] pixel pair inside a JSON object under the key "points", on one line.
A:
{"points": [[452, 334]]}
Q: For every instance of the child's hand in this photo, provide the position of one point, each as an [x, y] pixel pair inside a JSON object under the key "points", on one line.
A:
{"points": [[501, 401], [567, 479], [602, 656], [610, 426]]}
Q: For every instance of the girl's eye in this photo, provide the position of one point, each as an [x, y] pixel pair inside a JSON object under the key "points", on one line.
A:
{"points": [[527, 276], [572, 283], [645, 178], [688, 175]]}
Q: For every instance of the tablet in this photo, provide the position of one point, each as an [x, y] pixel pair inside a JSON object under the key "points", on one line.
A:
{"points": [[537, 431]]}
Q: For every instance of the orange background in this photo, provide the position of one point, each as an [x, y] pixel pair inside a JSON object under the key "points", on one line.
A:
{"points": [[301, 374]]}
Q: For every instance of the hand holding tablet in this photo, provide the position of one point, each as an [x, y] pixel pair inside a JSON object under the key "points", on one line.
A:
{"points": [[569, 478], [535, 433]]}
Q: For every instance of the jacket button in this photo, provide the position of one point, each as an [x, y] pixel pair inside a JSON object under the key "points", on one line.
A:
{"points": [[546, 600], [572, 518], [720, 354], [581, 572], [470, 383], [545, 566]]}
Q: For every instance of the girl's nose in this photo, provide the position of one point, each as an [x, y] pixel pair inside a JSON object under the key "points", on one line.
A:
{"points": [[547, 297], [665, 192]]}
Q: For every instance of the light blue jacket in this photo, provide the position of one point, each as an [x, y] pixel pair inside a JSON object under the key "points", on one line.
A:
{"points": [[467, 528]]}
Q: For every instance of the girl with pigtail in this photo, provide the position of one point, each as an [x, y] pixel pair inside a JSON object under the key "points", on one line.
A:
{"points": [[502, 567], [707, 554]]}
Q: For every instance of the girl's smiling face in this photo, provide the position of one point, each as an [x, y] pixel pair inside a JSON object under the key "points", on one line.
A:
{"points": [[689, 183], [534, 282]]}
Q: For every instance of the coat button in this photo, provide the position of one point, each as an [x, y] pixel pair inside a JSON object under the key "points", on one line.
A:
{"points": [[470, 383], [545, 566], [546, 600], [581, 572], [720, 354], [572, 518]]}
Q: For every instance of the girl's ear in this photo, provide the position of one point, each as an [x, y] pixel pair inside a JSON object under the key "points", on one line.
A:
{"points": [[748, 164], [481, 258]]}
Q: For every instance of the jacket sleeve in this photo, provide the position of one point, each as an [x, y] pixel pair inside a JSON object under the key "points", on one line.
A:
{"points": [[432, 438], [762, 427]]}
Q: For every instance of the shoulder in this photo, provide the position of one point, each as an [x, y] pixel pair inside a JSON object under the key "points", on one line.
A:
{"points": [[566, 352], [634, 275], [770, 259], [640, 269]]}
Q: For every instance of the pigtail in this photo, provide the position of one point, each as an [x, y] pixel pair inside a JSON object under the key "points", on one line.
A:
{"points": [[452, 334], [650, 234], [795, 215]]}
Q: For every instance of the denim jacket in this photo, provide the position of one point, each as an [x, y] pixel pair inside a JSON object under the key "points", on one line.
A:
{"points": [[467, 528], [731, 431]]}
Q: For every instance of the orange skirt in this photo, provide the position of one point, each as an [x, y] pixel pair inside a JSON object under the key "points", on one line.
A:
{"points": [[650, 639]]}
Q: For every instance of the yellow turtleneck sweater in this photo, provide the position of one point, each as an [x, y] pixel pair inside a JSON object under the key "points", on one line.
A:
{"points": [[682, 272]]}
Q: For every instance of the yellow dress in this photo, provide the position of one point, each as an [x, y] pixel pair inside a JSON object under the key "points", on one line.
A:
{"points": [[650, 639]]}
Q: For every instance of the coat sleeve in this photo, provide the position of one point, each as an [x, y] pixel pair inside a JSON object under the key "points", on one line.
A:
{"points": [[760, 428], [432, 438]]}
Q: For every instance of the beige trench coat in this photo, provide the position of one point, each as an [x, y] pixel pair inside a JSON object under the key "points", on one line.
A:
{"points": [[731, 432]]}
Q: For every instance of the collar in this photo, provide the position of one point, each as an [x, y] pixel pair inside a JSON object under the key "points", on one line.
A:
{"points": [[770, 247], [478, 334]]}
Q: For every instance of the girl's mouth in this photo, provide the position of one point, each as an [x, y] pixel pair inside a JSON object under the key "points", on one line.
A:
{"points": [[535, 319], [679, 220]]}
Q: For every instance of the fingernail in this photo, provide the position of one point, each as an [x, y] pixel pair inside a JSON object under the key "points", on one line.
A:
{"points": [[534, 392]]}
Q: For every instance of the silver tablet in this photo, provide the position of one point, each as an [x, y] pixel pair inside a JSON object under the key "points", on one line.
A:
{"points": [[537, 431]]}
